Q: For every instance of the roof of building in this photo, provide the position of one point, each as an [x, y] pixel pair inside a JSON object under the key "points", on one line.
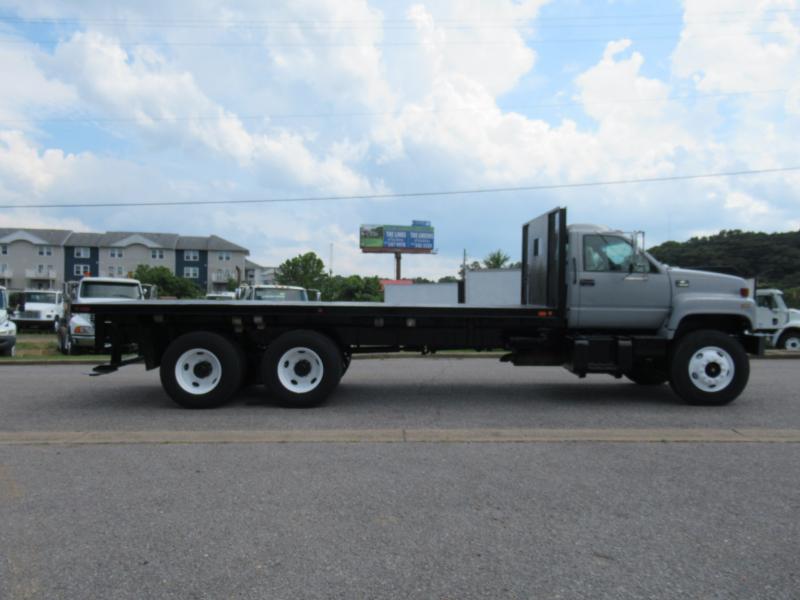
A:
{"points": [[54, 237], [249, 264], [171, 241]]}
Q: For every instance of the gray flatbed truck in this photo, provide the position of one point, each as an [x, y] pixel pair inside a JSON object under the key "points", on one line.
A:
{"points": [[591, 301]]}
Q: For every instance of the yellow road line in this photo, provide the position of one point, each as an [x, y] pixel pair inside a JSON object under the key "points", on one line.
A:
{"points": [[378, 436]]}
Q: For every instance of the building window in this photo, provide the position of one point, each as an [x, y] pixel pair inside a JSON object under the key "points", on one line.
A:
{"points": [[157, 254], [116, 253], [111, 271], [119, 271], [4, 249], [80, 270], [45, 251], [82, 252], [191, 255], [224, 256], [3, 268], [191, 272]]}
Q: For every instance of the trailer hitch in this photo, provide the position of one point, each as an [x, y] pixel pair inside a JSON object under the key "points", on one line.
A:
{"points": [[105, 369]]}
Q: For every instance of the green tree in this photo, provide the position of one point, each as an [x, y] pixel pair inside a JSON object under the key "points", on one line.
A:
{"points": [[496, 259], [448, 279], [168, 283], [231, 285], [305, 270], [352, 288]]}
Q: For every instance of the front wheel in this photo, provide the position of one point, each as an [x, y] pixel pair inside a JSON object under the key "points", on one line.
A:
{"points": [[301, 368], [709, 368], [790, 341], [201, 370]]}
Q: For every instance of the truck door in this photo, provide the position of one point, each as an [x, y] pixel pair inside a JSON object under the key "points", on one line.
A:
{"points": [[617, 287], [769, 314]]}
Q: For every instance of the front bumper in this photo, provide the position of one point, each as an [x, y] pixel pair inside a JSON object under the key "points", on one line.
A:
{"points": [[7, 342], [83, 341], [29, 322]]}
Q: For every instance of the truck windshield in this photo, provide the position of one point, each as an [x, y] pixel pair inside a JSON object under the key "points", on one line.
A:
{"points": [[280, 295], [41, 297], [98, 289], [2, 299]]}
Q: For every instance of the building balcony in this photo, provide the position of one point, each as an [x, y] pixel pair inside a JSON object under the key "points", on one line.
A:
{"points": [[46, 275], [221, 277]]}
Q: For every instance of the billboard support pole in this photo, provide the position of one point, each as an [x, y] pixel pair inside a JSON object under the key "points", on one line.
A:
{"points": [[398, 257]]}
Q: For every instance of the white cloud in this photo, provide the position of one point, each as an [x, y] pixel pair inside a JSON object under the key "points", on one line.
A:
{"points": [[166, 104]]}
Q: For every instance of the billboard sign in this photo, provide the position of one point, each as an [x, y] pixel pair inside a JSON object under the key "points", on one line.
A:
{"points": [[397, 238]]}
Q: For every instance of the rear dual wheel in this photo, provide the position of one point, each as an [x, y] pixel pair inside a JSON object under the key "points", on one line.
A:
{"points": [[301, 368], [202, 370]]}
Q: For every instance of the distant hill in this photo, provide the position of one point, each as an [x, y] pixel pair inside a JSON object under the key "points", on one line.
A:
{"points": [[772, 257]]}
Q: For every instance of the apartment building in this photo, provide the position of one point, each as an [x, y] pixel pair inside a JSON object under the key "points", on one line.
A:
{"points": [[45, 258], [255, 274], [33, 257]]}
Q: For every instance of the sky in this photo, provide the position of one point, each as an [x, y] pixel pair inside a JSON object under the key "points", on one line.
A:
{"points": [[208, 100]]}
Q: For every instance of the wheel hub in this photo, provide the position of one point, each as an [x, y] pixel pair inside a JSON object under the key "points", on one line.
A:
{"points": [[711, 369], [198, 371], [300, 370]]}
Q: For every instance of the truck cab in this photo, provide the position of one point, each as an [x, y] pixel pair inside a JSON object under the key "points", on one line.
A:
{"points": [[612, 283], [40, 308], [78, 331], [780, 323], [273, 293], [8, 329]]}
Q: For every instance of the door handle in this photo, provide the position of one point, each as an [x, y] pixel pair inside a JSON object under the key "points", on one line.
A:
{"points": [[588, 282]]}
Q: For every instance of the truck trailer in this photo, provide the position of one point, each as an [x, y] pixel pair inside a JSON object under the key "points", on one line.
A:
{"points": [[591, 300]]}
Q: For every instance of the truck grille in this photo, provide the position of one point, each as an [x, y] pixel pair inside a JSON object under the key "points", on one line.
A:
{"points": [[30, 314]]}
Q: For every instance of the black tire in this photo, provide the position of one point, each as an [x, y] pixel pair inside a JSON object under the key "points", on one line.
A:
{"points": [[789, 340], [61, 346], [647, 374], [310, 376], [347, 358], [725, 360], [222, 378]]}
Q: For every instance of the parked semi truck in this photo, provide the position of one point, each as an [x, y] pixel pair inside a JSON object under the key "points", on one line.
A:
{"points": [[41, 309], [780, 323], [591, 300], [8, 330], [78, 330]]}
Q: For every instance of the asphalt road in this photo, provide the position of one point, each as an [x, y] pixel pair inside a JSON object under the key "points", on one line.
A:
{"points": [[390, 517]]}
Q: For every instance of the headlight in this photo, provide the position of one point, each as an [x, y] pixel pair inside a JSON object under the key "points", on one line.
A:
{"points": [[8, 328], [84, 330]]}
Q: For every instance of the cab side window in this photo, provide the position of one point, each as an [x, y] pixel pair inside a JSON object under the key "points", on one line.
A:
{"points": [[603, 253]]}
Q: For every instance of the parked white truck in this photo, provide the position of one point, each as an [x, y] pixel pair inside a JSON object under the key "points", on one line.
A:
{"points": [[8, 330], [779, 322], [78, 330], [41, 309]]}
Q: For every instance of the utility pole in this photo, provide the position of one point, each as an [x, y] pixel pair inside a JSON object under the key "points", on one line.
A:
{"points": [[464, 266], [398, 257]]}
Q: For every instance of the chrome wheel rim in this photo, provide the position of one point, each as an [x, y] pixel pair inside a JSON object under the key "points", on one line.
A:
{"points": [[711, 369], [300, 370], [792, 343], [198, 371]]}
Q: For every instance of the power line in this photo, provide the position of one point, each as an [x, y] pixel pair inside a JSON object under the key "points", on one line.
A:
{"points": [[424, 194], [268, 22], [278, 116], [414, 44]]}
